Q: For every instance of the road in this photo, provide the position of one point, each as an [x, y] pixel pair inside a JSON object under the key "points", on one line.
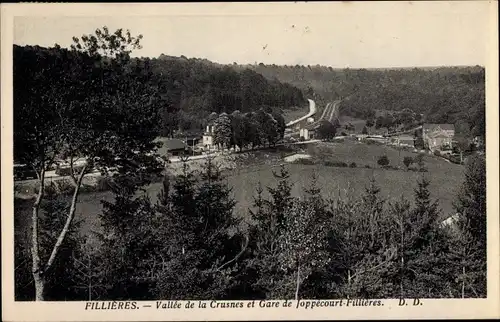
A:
{"points": [[312, 111], [330, 112], [55, 177]]}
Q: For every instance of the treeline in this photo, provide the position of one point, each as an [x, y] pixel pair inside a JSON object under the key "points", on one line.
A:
{"points": [[253, 129], [190, 245], [189, 89], [453, 95]]}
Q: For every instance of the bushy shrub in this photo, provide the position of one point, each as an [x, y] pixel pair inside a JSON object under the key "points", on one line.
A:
{"points": [[353, 165], [383, 161], [437, 153], [408, 161]]}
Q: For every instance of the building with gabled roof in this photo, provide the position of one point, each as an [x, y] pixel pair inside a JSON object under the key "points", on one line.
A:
{"points": [[438, 136], [172, 147]]}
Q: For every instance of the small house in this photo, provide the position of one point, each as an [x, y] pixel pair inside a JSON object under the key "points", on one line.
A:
{"points": [[403, 140], [172, 147]]}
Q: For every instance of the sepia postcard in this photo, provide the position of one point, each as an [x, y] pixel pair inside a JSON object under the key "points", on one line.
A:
{"points": [[250, 161]]}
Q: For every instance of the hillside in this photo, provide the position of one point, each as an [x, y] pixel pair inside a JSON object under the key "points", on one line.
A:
{"points": [[190, 89], [441, 94]]}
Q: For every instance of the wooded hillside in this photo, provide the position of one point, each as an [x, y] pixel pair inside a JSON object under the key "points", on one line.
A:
{"points": [[442, 95], [190, 89]]}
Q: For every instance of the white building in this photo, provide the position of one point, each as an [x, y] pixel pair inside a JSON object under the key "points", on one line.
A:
{"points": [[208, 138], [307, 134]]}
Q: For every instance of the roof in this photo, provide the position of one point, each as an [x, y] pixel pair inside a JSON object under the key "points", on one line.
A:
{"points": [[169, 145], [436, 127], [405, 137], [439, 136]]}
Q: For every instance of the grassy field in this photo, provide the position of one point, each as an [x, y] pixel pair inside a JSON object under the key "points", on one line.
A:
{"points": [[445, 179], [293, 114]]}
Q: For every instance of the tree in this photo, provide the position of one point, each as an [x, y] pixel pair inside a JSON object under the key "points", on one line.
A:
{"points": [[419, 142], [280, 195], [408, 161], [66, 87], [336, 123], [419, 160], [365, 130], [281, 125], [267, 127], [302, 244], [222, 130], [203, 251], [269, 217], [463, 145], [272, 129], [241, 130], [326, 130], [128, 243], [468, 251], [383, 161], [471, 200], [370, 123], [255, 130]]}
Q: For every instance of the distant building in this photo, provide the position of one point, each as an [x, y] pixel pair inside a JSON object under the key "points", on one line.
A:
{"points": [[403, 140], [208, 137], [172, 147], [192, 141], [307, 133], [438, 136]]}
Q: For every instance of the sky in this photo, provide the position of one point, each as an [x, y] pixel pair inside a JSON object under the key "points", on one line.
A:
{"points": [[338, 34]]}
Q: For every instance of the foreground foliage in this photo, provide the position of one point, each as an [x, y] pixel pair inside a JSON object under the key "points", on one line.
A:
{"points": [[190, 244]]}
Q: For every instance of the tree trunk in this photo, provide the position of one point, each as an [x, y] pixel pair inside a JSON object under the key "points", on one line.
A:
{"points": [[463, 282], [35, 255], [69, 220], [298, 284], [40, 282], [348, 283]]}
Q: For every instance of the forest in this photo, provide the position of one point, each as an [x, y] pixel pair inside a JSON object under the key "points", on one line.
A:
{"points": [[453, 95]]}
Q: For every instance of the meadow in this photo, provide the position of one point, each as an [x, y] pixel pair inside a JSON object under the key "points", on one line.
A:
{"points": [[295, 113], [335, 182]]}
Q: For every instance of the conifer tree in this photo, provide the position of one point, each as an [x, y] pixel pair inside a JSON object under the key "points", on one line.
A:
{"points": [[423, 247], [471, 200], [468, 251], [269, 224], [202, 223], [280, 196], [128, 244]]}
